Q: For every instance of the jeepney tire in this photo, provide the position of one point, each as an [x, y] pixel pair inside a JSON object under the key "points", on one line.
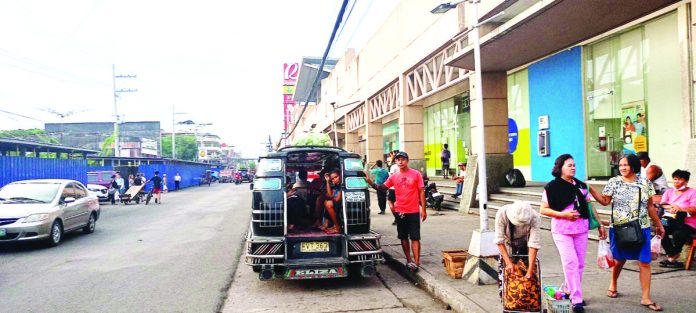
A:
{"points": [[256, 268]]}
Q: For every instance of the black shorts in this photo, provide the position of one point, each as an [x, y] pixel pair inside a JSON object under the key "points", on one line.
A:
{"points": [[391, 195], [408, 226]]}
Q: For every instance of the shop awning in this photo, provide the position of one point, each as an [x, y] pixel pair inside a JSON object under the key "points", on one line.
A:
{"points": [[308, 72], [550, 26]]}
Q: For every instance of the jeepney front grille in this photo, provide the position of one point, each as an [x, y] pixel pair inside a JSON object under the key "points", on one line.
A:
{"points": [[358, 213], [269, 214]]}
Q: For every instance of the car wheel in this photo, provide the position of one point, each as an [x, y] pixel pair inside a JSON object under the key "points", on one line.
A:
{"points": [[91, 224], [56, 234]]}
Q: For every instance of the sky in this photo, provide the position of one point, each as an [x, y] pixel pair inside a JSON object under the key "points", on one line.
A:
{"points": [[218, 62]]}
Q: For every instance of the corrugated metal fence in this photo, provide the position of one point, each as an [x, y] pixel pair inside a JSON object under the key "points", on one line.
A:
{"points": [[190, 173], [13, 168]]}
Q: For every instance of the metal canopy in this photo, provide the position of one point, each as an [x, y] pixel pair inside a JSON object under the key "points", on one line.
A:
{"points": [[548, 27]]}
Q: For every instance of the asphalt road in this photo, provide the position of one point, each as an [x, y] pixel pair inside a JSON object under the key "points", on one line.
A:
{"points": [[172, 257], [180, 256]]}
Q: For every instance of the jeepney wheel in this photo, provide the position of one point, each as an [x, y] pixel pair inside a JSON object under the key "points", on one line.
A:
{"points": [[256, 268]]}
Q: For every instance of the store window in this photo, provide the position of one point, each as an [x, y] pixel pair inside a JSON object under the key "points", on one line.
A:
{"points": [[447, 122], [390, 137], [633, 95]]}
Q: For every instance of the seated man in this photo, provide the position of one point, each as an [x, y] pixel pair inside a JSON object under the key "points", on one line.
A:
{"points": [[652, 172], [333, 199], [680, 216], [461, 174], [302, 185]]}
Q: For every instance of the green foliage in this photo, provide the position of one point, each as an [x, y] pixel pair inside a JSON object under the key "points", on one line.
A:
{"points": [[313, 139], [107, 146], [34, 134], [186, 147]]}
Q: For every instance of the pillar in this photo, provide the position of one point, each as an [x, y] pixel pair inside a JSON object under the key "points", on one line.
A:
{"points": [[374, 144], [411, 135], [351, 142], [498, 158]]}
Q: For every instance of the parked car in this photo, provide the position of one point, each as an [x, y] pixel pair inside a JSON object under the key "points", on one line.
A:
{"points": [[100, 191], [100, 178], [246, 175], [46, 209]]}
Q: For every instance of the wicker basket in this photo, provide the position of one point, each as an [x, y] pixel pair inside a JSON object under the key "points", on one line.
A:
{"points": [[454, 261]]}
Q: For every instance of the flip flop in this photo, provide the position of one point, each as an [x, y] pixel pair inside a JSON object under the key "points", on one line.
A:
{"points": [[675, 264], [612, 293], [412, 267], [653, 307]]}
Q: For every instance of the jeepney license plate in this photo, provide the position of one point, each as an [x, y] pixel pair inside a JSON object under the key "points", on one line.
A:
{"points": [[2, 232], [313, 246]]}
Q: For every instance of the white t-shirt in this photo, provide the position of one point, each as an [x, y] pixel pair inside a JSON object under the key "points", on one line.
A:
{"points": [[392, 170]]}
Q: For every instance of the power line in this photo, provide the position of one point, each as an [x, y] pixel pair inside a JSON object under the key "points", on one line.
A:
{"points": [[20, 115], [340, 31], [317, 78]]}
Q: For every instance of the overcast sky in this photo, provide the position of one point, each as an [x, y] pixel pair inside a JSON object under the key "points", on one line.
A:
{"points": [[219, 62]]}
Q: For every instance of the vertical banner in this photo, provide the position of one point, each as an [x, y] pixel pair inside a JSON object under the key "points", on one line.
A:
{"points": [[290, 73]]}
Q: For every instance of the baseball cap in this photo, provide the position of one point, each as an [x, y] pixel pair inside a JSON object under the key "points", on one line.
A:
{"points": [[401, 154]]}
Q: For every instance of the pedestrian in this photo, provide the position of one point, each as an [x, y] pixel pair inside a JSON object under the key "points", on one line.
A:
{"points": [[121, 184], [391, 195], [631, 198], [459, 178], [565, 200], [157, 187], [517, 234], [679, 218], [164, 183], [410, 207], [445, 158], [652, 172], [177, 181], [381, 176], [113, 189], [130, 181]]}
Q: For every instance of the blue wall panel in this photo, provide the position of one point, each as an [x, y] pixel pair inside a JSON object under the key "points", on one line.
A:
{"points": [[14, 168], [555, 89]]}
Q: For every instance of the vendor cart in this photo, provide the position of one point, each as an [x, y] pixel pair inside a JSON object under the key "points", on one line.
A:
{"points": [[134, 193]]}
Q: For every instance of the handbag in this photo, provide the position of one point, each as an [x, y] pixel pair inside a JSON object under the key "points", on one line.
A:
{"points": [[594, 224], [628, 235]]}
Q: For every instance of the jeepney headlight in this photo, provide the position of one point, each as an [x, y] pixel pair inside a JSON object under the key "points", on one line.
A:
{"points": [[355, 196]]}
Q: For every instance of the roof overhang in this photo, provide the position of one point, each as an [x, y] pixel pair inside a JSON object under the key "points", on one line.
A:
{"points": [[550, 26], [308, 73]]}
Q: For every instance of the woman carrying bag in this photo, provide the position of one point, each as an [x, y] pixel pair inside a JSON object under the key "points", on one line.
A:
{"points": [[565, 200], [629, 234]]}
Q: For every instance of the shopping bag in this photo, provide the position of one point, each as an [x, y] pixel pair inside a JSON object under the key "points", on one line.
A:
{"points": [[521, 294], [604, 258], [655, 247]]}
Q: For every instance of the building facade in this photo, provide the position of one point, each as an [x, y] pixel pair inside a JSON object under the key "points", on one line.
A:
{"points": [[557, 77]]}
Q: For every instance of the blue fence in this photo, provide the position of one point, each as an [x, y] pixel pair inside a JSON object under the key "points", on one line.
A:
{"points": [[13, 168], [190, 173]]}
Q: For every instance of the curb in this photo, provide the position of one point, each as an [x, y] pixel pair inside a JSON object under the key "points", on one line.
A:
{"points": [[426, 281]]}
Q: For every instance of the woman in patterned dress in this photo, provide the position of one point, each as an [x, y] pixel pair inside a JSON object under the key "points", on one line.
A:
{"points": [[631, 199]]}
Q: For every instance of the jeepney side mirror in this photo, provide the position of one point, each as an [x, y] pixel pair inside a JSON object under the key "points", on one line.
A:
{"points": [[251, 186]]}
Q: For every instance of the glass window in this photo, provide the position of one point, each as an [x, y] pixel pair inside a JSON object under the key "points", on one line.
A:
{"points": [[353, 165], [356, 183], [270, 165], [267, 184], [80, 191], [447, 122]]}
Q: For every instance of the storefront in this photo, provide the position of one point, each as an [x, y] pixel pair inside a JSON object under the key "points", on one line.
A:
{"points": [[634, 96], [390, 137], [447, 122]]}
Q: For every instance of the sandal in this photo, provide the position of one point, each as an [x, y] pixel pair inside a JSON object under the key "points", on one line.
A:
{"points": [[675, 264], [653, 306], [412, 267], [612, 293]]}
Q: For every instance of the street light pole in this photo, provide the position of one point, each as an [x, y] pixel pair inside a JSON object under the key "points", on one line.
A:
{"points": [[117, 149], [478, 105]]}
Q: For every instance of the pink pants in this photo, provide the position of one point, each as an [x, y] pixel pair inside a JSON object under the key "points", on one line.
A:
{"points": [[572, 249]]}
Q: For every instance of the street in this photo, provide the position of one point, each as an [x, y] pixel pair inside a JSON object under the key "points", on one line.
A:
{"points": [[180, 256]]}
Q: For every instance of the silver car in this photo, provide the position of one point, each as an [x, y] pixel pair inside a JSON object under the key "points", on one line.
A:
{"points": [[46, 209]]}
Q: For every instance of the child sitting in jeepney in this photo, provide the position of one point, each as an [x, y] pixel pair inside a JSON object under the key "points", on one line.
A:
{"points": [[332, 201]]}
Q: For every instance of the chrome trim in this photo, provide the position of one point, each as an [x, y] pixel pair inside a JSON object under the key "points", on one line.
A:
{"points": [[365, 252]]}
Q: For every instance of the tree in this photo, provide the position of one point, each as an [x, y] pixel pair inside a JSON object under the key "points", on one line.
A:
{"points": [[34, 134], [107, 146], [186, 147]]}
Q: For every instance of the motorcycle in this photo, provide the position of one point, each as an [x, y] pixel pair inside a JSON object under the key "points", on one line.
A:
{"points": [[433, 198], [237, 178]]}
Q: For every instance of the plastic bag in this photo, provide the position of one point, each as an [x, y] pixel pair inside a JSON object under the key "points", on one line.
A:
{"points": [[604, 258], [655, 247]]}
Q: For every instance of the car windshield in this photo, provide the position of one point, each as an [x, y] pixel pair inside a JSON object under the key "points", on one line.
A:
{"points": [[32, 192]]}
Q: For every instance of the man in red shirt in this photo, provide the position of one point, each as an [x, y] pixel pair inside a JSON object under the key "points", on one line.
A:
{"points": [[409, 205]]}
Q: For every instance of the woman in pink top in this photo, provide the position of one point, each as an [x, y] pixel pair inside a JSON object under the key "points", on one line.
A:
{"points": [[565, 200], [680, 213]]}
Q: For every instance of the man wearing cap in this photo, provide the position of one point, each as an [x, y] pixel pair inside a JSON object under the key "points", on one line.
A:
{"points": [[459, 178], [410, 207]]}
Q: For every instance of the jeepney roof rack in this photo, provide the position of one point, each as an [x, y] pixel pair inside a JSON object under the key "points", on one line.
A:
{"points": [[312, 147]]}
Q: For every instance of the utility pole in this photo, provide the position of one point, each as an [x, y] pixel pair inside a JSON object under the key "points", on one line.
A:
{"points": [[117, 144]]}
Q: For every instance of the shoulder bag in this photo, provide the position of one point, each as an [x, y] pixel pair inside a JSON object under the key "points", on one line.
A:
{"points": [[628, 235]]}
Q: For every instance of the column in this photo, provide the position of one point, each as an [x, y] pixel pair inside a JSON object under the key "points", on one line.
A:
{"points": [[351, 142], [411, 135]]}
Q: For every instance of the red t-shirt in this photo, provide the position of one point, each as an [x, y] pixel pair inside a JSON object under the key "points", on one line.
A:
{"points": [[406, 186]]}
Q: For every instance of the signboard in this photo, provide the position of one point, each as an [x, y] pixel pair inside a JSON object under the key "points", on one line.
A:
{"points": [[290, 73]]}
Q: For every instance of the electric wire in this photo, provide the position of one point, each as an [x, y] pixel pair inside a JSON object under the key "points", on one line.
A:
{"points": [[317, 78]]}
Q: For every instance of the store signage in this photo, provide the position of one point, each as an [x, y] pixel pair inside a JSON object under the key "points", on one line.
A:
{"points": [[290, 73], [512, 135], [543, 122]]}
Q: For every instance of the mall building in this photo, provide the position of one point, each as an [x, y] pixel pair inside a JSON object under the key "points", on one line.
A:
{"points": [[596, 79]]}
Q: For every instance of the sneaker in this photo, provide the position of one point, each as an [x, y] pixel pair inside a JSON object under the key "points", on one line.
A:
{"points": [[381, 213], [394, 223], [155, 200], [578, 308]]}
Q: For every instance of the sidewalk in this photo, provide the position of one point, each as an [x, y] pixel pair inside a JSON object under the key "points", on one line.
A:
{"points": [[672, 290]]}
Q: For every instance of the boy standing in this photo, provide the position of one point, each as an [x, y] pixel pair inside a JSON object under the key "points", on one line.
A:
{"points": [[381, 176], [409, 205]]}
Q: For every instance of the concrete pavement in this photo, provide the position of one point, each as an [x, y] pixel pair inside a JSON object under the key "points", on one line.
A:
{"points": [[453, 230], [178, 256]]}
